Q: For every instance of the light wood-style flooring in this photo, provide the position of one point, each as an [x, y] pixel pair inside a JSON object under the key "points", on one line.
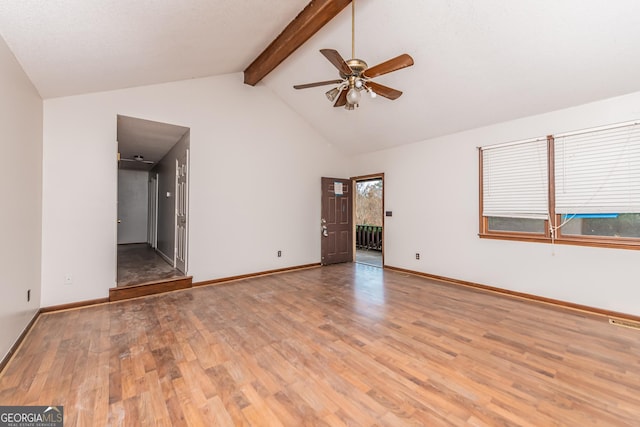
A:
{"points": [[345, 345]]}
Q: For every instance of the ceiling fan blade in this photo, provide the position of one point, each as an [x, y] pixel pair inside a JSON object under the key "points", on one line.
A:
{"points": [[385, 91], [308, 85], [149, 162], [393, 64], [342, 99], [334, 57]]}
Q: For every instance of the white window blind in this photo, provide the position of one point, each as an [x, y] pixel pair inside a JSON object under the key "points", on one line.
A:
{"points": [[514, 180], [598, 171]]}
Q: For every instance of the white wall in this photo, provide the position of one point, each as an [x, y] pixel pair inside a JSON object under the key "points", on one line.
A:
{"points": [[255, 182], [133, 204], [21, 189], [432, 189]]}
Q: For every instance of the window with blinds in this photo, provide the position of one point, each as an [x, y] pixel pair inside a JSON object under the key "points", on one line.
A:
{"points": [[515, 186], [514, 178], [597, 182], [598, 171], [592, 175]]}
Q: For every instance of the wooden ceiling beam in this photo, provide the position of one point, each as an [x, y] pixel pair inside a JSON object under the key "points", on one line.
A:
{"points": [[313, 17]]}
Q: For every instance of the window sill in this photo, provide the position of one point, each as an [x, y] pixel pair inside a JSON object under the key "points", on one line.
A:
{"points": [[602, 242]]}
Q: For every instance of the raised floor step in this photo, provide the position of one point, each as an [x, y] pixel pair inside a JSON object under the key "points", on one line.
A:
{"points": [[150, 288]]}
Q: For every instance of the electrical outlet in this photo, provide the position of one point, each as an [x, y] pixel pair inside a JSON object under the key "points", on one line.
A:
{"points": [[279, 254], [28, 295], [68, 279], [417, 255]]}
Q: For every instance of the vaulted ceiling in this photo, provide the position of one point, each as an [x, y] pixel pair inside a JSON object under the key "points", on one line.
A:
{"points": [[476, 62]]}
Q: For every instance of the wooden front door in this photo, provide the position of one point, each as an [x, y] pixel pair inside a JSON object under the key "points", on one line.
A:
{"points": [[337, 221]]}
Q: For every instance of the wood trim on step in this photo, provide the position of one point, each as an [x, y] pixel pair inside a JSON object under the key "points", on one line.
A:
{"points": [[150, 288], [71, 305], [521, 295], [250, 275], [5, 360]]}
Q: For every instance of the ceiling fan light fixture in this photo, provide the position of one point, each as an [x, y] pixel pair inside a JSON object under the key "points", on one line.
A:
{"points": [[356, 76], [332, 94], [353, 96], [138, 157]]}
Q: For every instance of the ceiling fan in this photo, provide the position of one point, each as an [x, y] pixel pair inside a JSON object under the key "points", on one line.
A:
{"points": [[355, 75], [137, 158]]}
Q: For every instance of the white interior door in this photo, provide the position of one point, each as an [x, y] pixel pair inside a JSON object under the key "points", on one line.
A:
{"points": [[182, 204]]}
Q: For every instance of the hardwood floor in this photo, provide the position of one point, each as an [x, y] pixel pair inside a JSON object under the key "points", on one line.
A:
{"points": [[332, 346]]}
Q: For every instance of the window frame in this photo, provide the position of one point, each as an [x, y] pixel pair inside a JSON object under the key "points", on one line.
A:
{"points": [[547, 237]]}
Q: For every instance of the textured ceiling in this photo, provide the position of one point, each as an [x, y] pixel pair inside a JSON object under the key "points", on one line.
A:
{"points": [[69, 47], [477, 62]]}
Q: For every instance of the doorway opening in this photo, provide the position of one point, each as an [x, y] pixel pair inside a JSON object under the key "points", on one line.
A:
{"points": [[153, 170], [369, 220]]}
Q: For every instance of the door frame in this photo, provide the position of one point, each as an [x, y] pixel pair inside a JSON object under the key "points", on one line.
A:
{"points": [[354, 181]]}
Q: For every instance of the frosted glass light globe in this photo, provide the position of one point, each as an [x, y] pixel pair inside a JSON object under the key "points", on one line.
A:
{"points": [[353, 96]]}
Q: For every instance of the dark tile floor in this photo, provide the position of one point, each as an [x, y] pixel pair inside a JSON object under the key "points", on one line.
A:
{"points": [[138, 263]]}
